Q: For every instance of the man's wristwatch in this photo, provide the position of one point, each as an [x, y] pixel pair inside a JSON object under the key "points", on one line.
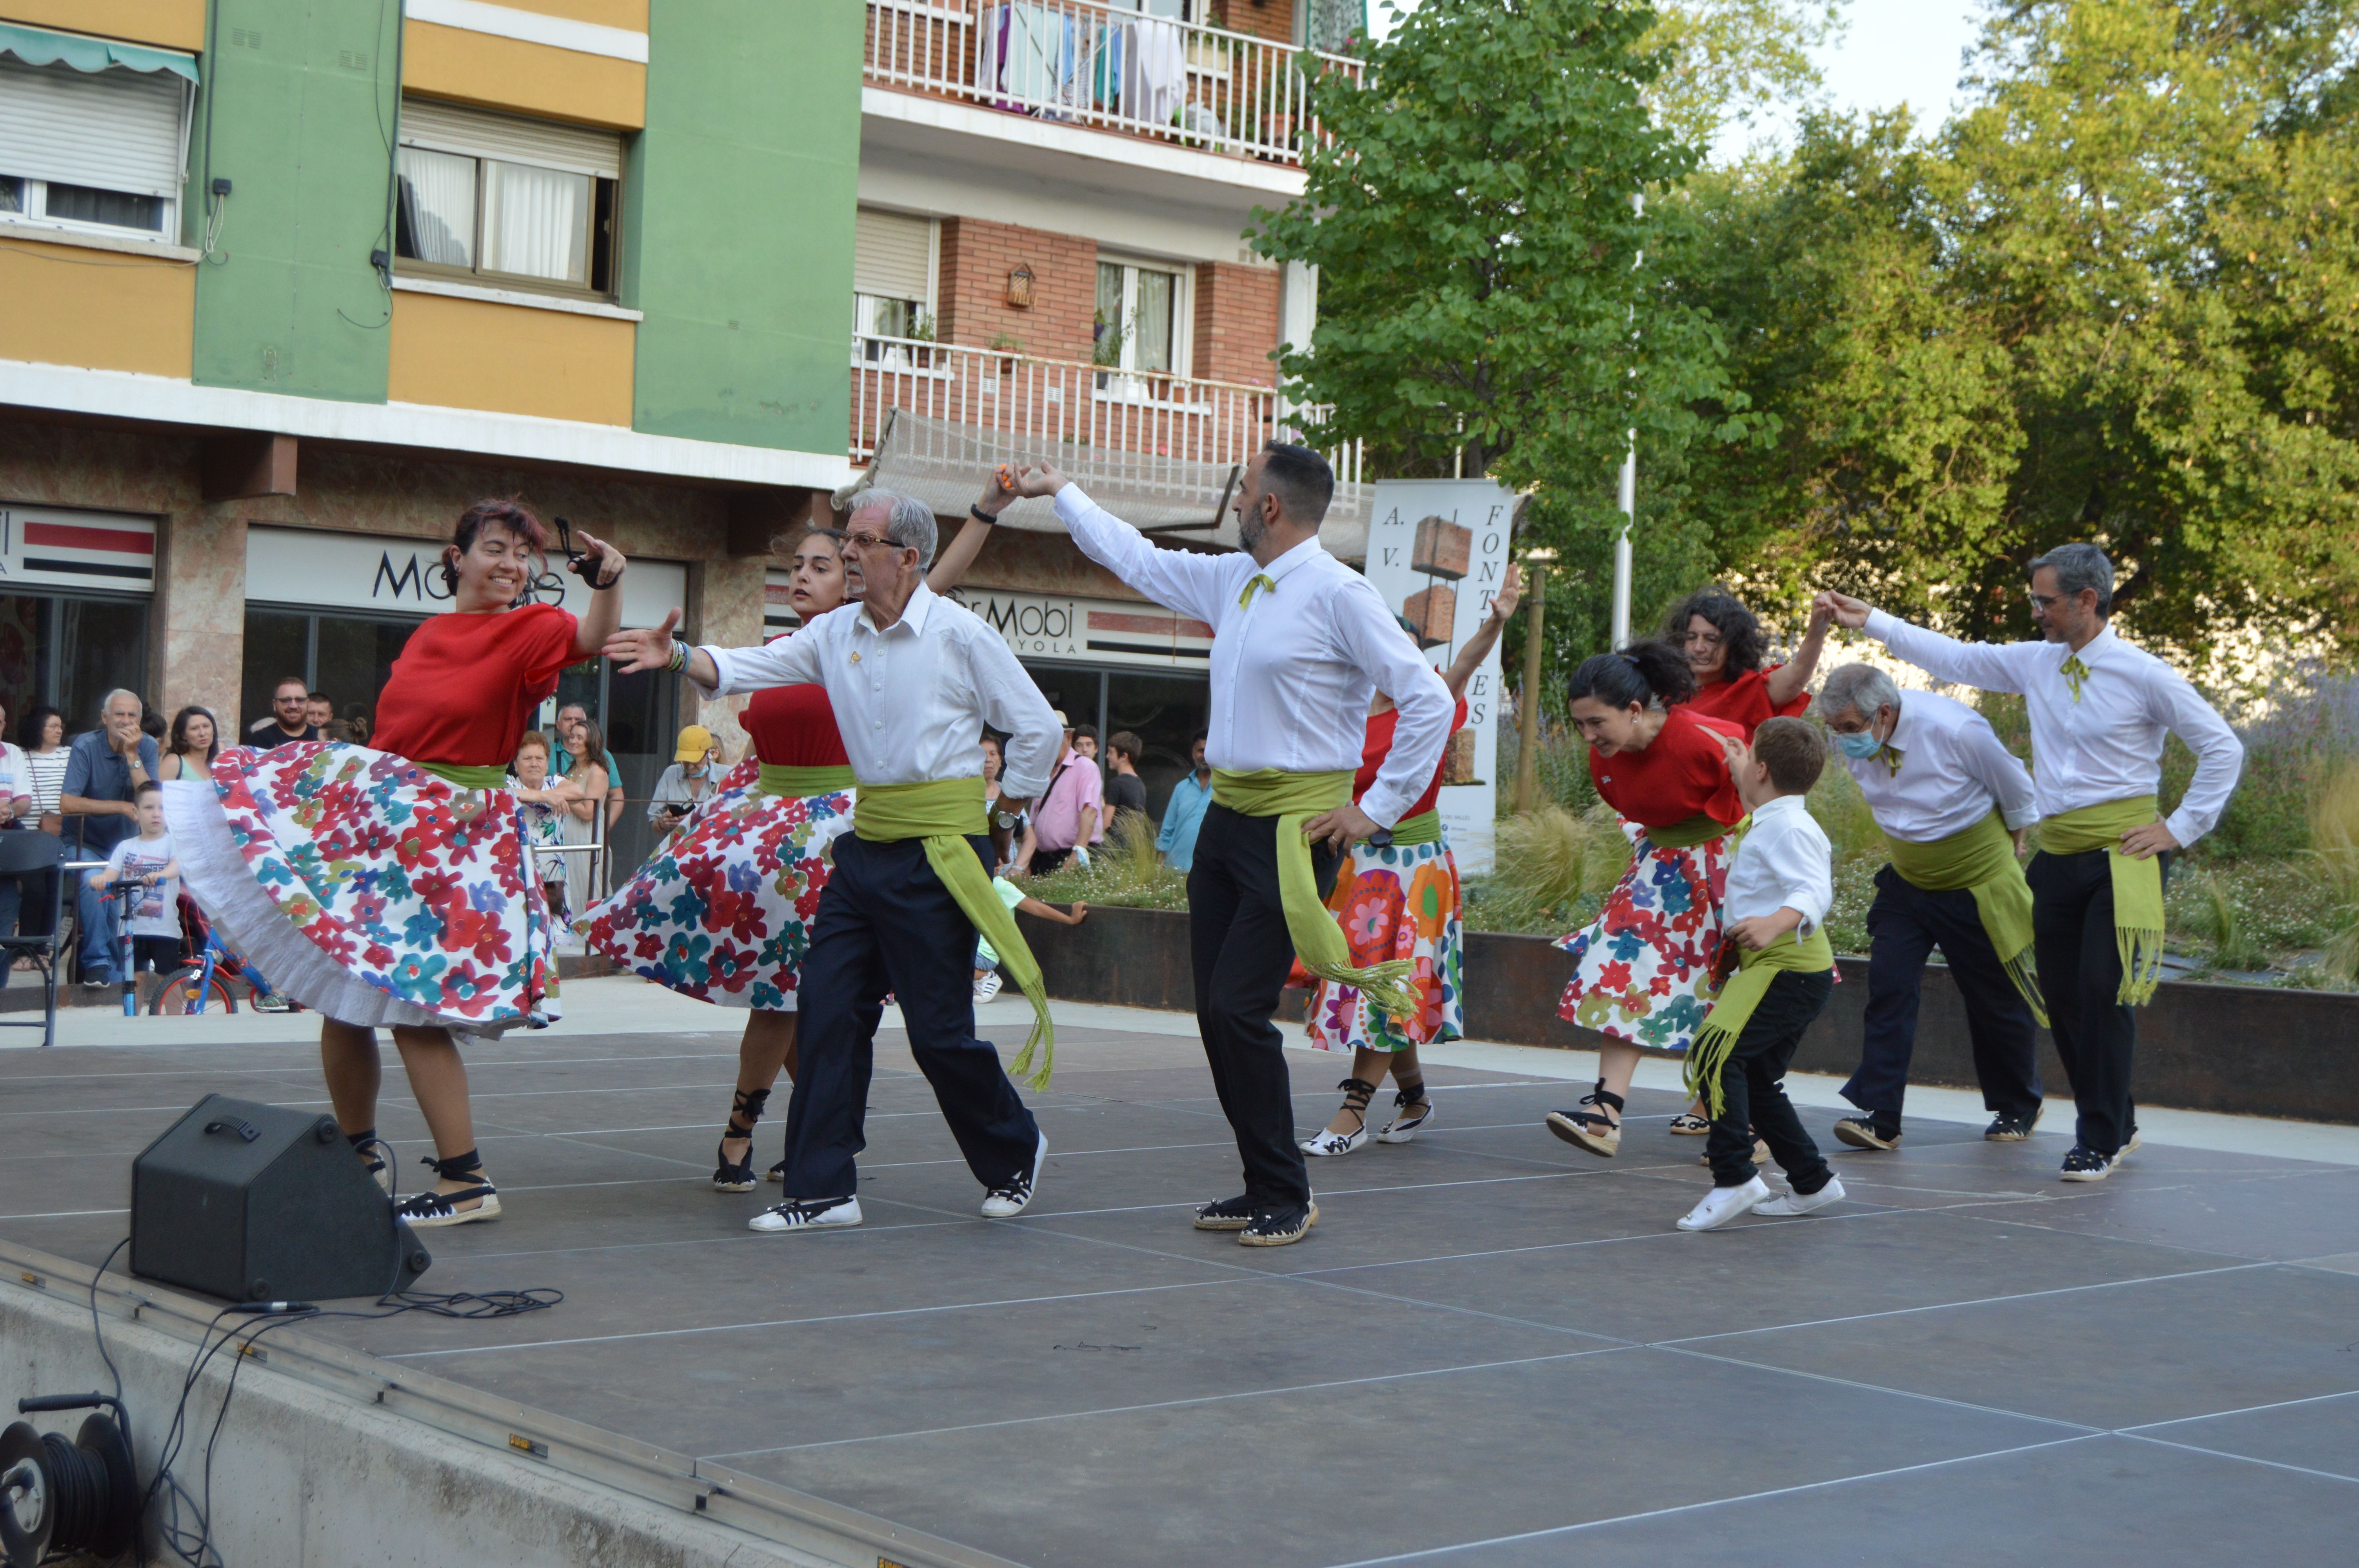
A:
{"points": [[1007, 819]]}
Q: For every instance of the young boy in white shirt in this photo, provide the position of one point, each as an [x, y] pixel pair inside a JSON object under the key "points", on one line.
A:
{"points": [[154, 913], [986, 957], [1778, 888]]}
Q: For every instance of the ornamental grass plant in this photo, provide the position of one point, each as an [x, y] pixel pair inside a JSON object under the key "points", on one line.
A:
{"points": [[2334, 864], [1123, 870]]}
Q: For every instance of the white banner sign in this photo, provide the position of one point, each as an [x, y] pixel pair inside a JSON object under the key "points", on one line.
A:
{"points": [[308, 569], [1437, 551]]}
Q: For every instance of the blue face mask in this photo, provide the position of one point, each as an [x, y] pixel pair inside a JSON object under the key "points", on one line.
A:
{"points": [[1863, 745]]}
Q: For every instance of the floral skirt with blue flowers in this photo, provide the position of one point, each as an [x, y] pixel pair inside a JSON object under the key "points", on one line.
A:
{"points": [[722, 912], [369, 889], [1642, 972]]}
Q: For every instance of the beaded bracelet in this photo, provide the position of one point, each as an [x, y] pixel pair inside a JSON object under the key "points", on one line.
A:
{"points": [[679, 653]]}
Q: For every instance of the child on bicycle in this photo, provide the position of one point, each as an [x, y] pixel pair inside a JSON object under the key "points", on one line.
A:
{"points": [[154, 913]]}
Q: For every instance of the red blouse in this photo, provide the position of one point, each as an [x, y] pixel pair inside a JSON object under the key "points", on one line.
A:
{"points": [[1744, 701], [794, 727], [1379, 744], [1684, 773], [466, 684]]}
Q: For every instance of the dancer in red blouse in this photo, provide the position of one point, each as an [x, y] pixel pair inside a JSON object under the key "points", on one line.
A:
{"points": [[387, 884], [1642, 971], [1724, 648], [723, 913]]}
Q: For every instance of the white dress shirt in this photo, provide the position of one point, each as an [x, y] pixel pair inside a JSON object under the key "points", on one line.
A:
{"points": [[1294, 671], [2108, 745], [1952, 772], [1784, 861], [912, 701]]}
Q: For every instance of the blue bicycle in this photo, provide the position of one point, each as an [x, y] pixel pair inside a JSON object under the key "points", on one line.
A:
{"points": [[202, 986]]}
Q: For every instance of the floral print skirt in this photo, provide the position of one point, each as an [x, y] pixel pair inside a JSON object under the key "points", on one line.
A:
{"points": [[366, 888], [1398, 901], [1642, 971], [723, 913]]}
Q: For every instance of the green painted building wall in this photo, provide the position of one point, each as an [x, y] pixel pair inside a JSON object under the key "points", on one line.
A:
{"points": [[298, 113], [739, 203]]}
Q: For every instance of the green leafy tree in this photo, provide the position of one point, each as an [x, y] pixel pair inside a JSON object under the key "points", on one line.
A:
{"points": [[1733, 59]]}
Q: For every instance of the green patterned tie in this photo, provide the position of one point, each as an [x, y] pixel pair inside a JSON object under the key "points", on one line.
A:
{"points": [[2075, 672], [1890, 757], [1259, 579]]}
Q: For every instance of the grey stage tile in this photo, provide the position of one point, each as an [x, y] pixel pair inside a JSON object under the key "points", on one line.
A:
{"points": [[2319, 1434], [2299, 1214], [1341, 1474], [863, 1378], [2122, 1356], [2344, 1263], [2102, 1501], [1842, 1262]]}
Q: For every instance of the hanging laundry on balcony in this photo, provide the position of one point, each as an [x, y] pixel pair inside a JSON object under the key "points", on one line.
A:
{"points": [[1154, 71], [1032, 56]]}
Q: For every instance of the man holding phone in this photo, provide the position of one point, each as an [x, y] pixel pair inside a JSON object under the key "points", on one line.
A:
{"points": [[688, 781]]}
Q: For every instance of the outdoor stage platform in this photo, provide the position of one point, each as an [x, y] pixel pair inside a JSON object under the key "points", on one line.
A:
{"points": [[1493, 1350]]}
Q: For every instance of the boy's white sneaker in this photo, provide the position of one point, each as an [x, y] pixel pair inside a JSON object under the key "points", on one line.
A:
{"points": [[1724, 1203], [1792, 1202]]}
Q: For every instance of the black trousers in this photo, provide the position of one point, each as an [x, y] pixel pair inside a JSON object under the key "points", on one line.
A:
{"points": [[1904, 925], [1752, 1098], [2081, 977], [1237, 937], [886, 923]]}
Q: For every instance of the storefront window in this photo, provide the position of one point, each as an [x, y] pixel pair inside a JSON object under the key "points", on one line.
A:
{"points": [[68, 652], [638, 713], [1164, 712], [349, 657]]}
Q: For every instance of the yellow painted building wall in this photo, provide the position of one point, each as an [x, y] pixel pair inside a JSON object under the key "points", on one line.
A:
{"points": [[525, 78], [105, 311], [169, 24], [511, 359], [629, 14]]}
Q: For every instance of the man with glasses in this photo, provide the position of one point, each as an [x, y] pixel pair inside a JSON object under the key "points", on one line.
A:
{"points": [[913, 678], [2099, 710]]}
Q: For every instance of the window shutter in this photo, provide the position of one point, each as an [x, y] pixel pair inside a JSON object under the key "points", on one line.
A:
{"points": [[115, 129], [892, 255], [480, 133]]}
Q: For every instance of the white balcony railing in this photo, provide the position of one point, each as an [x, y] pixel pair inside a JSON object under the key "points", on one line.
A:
{"points": [[1089, 64], [1115, 411]]}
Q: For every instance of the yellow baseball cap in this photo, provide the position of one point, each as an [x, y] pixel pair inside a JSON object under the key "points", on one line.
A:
{"points": [[694, 742]]}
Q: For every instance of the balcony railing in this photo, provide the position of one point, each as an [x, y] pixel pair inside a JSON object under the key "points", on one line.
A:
{"points": [[1115, 411], [1080, 63]]}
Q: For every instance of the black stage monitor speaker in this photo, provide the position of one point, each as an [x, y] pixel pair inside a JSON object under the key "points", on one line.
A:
{"points": [[259, 1203]]}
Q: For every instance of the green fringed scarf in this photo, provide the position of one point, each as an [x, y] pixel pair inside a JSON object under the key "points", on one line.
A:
{"points": [[2138, 884], [1982, 860], [1738, 998]]}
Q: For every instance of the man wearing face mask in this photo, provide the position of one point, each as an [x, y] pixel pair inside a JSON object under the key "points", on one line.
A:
{"points": [[1956, 803]]}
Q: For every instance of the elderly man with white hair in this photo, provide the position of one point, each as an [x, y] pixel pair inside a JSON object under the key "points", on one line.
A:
{"points": [[2100, 711], [913, 678], [1954, 803]]}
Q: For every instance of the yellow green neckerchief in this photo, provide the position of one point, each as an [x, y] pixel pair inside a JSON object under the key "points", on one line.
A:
{"points": [[943, 814], [2138, 884], [1734, 1009], [1294, 799], [792, 784], [1982, 860]]}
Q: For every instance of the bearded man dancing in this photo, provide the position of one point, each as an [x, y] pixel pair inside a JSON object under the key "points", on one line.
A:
{"points": [[2099, 710], [1300, 644]]}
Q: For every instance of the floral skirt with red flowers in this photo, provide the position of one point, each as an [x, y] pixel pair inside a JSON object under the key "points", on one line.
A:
{"points": [[723, 913], [1397, 901], [367, 888], [1642, 972]]}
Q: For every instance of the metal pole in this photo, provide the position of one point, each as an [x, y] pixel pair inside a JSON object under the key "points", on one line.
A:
{"points": [[1528, 748], [1622, 544]]}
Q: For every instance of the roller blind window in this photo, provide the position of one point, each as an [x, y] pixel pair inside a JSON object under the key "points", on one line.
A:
{"points": [[507, 199], [98, 150], [892, 278]]}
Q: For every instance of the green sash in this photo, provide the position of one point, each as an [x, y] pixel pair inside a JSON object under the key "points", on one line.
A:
{"points": [[792, 784], [1697, 829], [465, 775], [1294, 799], [1738, 998], [1425, 828], [2138, 884], [943, 814], [1982, 860]]}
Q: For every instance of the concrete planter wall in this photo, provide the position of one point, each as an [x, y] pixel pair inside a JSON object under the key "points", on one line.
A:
{"points": [[2238, 1049]]}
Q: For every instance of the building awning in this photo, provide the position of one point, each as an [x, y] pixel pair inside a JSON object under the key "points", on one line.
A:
{"points": [[942, 464], [40, 46]]}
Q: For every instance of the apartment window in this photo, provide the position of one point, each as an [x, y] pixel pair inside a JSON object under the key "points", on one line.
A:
{"points": [[98, 151], [1142, 319], [507, 200], [894, 258]]}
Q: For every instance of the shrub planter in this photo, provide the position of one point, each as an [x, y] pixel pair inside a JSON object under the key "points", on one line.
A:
{"points": [[2246, 1050]]}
